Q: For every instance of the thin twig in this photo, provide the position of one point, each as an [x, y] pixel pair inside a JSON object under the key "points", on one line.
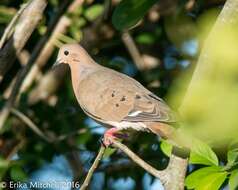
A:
{"points": [[107, 7], [162, 175], [9, 29], [133, 50], [15, 149], [30, 124], [78, 132], [93, 168]]}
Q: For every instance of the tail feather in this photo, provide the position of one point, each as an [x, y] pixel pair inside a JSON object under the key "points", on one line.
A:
{"points": [[164, 130]]}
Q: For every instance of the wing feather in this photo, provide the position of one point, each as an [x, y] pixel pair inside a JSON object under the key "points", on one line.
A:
{"points": [[150, 108]]}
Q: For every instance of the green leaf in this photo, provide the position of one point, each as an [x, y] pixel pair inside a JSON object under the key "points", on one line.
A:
{"points": [[93, 12], [3, 167], [212, 181], [233, 180], [194, 178], [108, 152], [3, 163], [83, 138], [129, 12], [232, 156], [202, 154], [145, 38], [166, 148], [18, 174]]}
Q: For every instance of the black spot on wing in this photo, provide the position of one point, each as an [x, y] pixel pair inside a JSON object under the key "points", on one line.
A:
{"points": [[123, 98]]}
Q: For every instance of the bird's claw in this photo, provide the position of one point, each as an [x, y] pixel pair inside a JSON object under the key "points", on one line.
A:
{"points": [[110, 134]]}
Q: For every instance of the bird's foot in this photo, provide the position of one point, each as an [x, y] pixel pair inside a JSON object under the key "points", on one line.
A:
{"points": [[112, 133]]}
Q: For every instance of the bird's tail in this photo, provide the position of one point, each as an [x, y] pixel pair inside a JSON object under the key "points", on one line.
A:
{"points": [[162, 129], [174, 135]]}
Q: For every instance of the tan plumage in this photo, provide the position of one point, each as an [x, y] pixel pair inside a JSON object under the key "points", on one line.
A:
{"points": [[112, 98]]}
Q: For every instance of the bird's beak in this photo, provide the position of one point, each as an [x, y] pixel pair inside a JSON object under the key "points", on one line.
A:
{"points": [[56, 64]]}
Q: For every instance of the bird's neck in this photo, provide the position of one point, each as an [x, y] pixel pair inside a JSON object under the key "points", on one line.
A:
{"points": [[80, 72]]}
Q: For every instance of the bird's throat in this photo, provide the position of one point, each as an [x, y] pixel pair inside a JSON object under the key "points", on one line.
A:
{"points": [[79, 73]]}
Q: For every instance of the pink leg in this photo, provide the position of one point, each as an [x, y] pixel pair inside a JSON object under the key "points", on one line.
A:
{"points": [[110, 133]]}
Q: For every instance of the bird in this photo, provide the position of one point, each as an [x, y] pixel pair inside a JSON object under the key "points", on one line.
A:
{"points": [[114, 99]]}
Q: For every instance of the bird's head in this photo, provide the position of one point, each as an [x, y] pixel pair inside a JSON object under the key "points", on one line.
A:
{"points": [[72, 54]]}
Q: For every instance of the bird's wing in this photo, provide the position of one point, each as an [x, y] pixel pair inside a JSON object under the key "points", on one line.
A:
{"points": [[149, 108], [121, 98]]}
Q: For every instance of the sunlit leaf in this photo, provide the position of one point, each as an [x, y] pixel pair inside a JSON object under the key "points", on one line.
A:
{"points": [[3, 163], [3, 167], [166, 148], [195, 177], [233, 180], [109, 152], [145, 38], [93, 12], [232, 156], [212, 181], [129, 12], [203, 154]]}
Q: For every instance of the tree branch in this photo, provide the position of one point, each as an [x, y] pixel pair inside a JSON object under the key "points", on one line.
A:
{"points": [[30, 124], [23, 72], [27, 23], [162, 175], [8, 31], [93, 168], [133, 50]]}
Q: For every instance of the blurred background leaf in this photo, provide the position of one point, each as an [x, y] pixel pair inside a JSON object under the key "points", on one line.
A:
{"points": [[130, 12]]}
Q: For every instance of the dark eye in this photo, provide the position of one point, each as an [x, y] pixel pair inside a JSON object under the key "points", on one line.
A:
{"points": [[66, 52]]}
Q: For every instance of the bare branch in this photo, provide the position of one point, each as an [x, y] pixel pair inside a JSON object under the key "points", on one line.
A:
{"points": [[93, 168], [30, 124], [176, 170], [168, 176], [23, 72], [133, 50], [8, 31], [27, 23], [162, 175]]}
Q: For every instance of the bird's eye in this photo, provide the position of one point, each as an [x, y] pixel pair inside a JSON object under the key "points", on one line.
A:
{"points": [[66, 52]]}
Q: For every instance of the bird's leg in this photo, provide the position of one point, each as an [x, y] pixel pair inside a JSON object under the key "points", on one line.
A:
{"points": [[113, 133]]}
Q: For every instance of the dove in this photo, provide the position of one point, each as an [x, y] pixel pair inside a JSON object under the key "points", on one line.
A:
{"points": [[114, 99]]}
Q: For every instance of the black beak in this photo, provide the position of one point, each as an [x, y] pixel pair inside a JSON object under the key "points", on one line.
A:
{"points": [[56, 64]]}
